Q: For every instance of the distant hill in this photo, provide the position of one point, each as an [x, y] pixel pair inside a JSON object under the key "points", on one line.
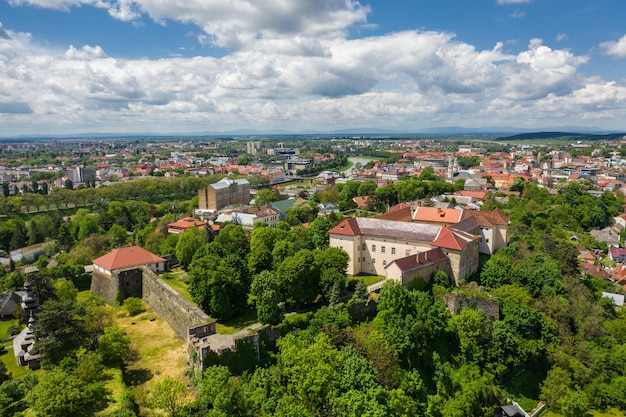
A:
{"points": [[565, 136]]}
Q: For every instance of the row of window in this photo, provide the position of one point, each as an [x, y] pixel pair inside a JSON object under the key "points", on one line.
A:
{"points": [[383, 249], [373, 260]]}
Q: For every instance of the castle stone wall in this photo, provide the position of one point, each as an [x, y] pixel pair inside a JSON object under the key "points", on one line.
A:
{"points": [[183, 316], [457, 302], [104, 285]]}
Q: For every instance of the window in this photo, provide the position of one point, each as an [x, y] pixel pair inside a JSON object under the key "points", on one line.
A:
{"points": [[363, 246], [382, 249], [393, 251], [373, 248], [487, 240], [373, 260], [384, 262], [407, 252]]}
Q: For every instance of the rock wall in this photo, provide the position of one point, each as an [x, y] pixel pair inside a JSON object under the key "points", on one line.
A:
{"points": [[105, 286], [457, 302], [183, 316]]}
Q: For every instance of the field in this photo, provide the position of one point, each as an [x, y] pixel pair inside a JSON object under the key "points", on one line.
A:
{"points": [[160, 352]]}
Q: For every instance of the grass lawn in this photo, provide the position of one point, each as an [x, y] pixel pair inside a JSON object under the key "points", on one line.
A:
{"points": [[243, 320], [367, 279], [9, 360], [612, 412], [524, 389], [4, 327], [179, 285], [115, 387], [160, 352]]}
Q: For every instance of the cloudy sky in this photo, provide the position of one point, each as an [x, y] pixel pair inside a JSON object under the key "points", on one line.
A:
{"points": [[184, 66]]}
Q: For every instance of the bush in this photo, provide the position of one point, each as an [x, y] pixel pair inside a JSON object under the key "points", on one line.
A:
{"points": [[134, 306]]}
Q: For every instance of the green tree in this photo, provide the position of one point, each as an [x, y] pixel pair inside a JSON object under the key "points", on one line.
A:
{"points": [[188, 243], [114, 346], [575, 404], [267, 296], [65, 290], [318, 230], [169, 395], [61, 328], [300, 277], [60, 394], [264, 196]]}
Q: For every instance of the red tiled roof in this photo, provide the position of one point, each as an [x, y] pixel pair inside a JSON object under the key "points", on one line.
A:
{"points": [[361, 201], [127, 257], [437, 215], [188, 222], [402, 214], [348, 227], [412, 262], [478, 194], [487, 218], [453, 239]]}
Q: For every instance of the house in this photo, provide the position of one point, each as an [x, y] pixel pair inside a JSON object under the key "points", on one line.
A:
{"points": [[179, 227], [373, 243], [620, 221], [617, 254], [327, 208], [224, 193], [283, 206], [128, 257], [421, 265], [9, 301], [618, 299], [247, 218], [608, 235]]}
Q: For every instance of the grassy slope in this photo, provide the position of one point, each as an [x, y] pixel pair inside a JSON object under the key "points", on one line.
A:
{"points": [[160, 352]]}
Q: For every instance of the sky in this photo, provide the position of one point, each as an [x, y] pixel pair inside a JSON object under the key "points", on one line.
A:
{"points": [[192, 66]]}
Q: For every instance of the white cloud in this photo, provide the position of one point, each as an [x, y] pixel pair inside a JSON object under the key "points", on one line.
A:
{"points": [[233, 24], [615, 49], [560, 37], [518, 14], [401, 80]]}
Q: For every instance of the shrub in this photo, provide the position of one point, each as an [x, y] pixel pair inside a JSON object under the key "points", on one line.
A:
{"points": [[134, 306]]}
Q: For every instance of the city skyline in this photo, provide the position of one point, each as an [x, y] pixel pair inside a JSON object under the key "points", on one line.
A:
{"points": [[139, 66]]}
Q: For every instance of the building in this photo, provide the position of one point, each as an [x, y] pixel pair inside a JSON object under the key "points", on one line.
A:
{"points": [[224, 193], [491, 225], [247, 218], [253, 147], [24, 342], [179, 227], [373, 244], [118, 275]]}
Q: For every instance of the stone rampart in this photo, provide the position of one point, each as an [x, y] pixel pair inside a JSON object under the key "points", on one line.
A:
{"points": [[183, 316], [457, 302], [104, 285]]}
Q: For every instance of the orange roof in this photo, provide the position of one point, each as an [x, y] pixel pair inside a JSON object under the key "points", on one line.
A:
{"points": [[437, 215], [453, 239], [348, 227], [361, 201], [188, 222], [486, 218], [127, 257], [478, 194], [413, 262], [399, 214]]}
